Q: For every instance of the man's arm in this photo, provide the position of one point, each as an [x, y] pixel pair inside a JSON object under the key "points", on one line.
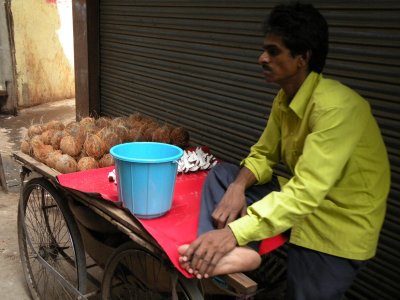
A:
{"points": [[328, 147], [266, 153]]}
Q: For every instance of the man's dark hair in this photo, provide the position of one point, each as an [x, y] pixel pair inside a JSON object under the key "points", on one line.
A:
{"points": [[302, 28]]}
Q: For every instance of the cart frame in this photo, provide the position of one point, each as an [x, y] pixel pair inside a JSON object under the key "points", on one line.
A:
{"points": [[238, 284]]}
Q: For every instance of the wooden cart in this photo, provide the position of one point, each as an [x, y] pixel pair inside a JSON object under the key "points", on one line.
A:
{"points": [[63, 234]]}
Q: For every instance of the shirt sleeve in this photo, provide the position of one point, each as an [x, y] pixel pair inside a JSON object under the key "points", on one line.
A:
{"points": [[265, 154], [335, 132]]}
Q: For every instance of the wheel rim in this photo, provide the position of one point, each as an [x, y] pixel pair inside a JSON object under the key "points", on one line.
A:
{"points": [[47, 235], [136, 274]]}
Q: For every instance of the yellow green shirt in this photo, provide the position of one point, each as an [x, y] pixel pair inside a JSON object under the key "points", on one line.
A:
{"points": [[335, 201]]}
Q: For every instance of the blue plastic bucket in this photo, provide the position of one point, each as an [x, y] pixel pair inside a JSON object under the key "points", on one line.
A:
{"points": [[146, 174]]}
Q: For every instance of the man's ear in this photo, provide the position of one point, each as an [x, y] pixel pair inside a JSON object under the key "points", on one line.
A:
{"points": [[305, 58]]}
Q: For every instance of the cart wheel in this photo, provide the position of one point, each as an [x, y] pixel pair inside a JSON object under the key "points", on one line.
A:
{"points": [[134, 273], [51, 248]]}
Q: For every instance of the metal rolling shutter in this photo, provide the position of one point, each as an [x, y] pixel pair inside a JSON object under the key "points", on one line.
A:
{"points": [[194, 63]]}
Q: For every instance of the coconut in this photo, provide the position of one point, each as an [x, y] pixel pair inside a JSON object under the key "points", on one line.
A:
{"points": [[134, 117], [161, 134], [148, 120], [36, 141], [88, 125], [147, 134], [41, 152], [118, 121], [87, 120], [70, 124], [56, 139], [147, 130], [127, 122], [109, 137], [135, 135], [81, 154], [87, 163], [26, 147], [89, 128], [122, 132], [52, 158], [180, 137], [70, 145], [133, 130], [74, 129], [35, 129], [94, 146], [103, 122], [66, 164], [137, 124], [47, 136], [55, 125], [106, 161]]}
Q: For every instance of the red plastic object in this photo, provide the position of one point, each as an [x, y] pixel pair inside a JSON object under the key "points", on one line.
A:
{"points": [[178, 226]]}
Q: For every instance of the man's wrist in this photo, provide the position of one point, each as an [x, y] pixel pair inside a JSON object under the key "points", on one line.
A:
{"points": [[237, 187], [232, 234]]}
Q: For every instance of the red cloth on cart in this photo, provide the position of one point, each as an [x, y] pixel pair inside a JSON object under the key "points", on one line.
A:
{"points": [[177, 227]]}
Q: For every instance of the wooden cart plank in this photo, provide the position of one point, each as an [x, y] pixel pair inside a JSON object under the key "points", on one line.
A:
{"points": [[35, 165], [115, 215], [241, 283]]}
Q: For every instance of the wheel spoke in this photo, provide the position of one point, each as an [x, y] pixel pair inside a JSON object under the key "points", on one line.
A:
{"points": [[46, 225]]}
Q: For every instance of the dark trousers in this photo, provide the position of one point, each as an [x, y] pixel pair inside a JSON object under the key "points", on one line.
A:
{"points": [[320, 276], [311, 275]]}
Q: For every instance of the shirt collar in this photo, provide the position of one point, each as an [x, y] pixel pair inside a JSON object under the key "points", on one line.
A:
{"points": [[300, 101]]}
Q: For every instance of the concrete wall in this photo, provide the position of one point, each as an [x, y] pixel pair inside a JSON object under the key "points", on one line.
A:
{"points": [[43, 37], [6, 66], [5, 58]]}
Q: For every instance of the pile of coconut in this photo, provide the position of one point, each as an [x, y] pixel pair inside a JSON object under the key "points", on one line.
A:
{"points": [[86, 144]]}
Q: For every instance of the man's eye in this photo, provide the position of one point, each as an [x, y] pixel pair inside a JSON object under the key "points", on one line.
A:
{"points": [[273, 52]]}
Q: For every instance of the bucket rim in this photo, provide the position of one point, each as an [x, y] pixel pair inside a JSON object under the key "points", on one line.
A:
{"points": [[147, 160]]}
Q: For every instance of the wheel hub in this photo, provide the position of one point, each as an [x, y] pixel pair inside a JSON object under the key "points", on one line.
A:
{"points": [[48, 251]]}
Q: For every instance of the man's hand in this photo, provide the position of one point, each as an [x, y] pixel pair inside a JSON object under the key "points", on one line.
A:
{"points": [[232, 205], [204, 253]]}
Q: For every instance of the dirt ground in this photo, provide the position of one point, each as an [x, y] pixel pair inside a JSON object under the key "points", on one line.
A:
{"points": [[12, 130]]}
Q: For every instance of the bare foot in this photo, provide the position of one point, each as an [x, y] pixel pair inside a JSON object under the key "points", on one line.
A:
{"points": [[240, 259]]}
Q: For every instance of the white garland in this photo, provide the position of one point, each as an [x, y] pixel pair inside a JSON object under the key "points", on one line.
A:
{"points": [[196, 160]]}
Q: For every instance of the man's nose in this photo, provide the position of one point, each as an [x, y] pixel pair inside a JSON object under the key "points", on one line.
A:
{"points": [[264, 58]]}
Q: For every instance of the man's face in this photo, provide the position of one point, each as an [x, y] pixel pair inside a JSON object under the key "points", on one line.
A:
{"points": [[279, 66]]}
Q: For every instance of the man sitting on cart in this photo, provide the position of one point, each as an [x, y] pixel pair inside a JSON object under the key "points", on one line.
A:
{"points": [[334, 203]]}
